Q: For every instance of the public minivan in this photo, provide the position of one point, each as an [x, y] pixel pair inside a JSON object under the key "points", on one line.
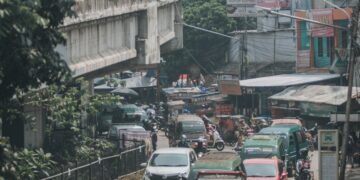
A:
{"points": [[215, 162], [263, 146], [295, 142], [190, 125]]}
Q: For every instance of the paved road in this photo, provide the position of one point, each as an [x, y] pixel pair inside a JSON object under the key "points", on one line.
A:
{"points": [[163, 141]]}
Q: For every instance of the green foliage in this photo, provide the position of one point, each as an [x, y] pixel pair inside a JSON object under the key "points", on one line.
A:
{"points": [[65, 107], [23, 164], [90, 148], [207, 49], [28, 38]]}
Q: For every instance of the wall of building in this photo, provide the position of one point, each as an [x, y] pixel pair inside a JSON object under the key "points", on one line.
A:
{"points": [[260, 47]]}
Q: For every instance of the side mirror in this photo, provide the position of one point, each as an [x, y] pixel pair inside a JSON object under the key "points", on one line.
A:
{"points": [[143, 164]]}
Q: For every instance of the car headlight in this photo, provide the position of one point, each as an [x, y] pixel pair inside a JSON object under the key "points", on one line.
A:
{"points": [[183, 175], [147, 175]]}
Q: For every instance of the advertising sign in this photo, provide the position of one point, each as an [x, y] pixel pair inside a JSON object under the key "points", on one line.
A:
{"points": [[328, 154], [324, 16], [242, 8], [230, 87], [303, 58]]}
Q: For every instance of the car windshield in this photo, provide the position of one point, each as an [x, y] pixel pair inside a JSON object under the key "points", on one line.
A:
{"points": [[170, 159], [260, 152], [260, 170], [193, 127]]}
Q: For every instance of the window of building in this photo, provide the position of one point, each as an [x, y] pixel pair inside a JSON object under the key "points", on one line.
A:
{"points": [[328, 48], [344, 40], [320, 47]]}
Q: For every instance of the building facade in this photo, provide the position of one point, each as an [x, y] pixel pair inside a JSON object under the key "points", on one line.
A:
{"points": [[321, 48]]}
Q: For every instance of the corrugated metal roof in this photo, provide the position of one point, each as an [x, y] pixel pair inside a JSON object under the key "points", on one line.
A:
{"points": [[285, 80], [173, 90], [332, 95]]}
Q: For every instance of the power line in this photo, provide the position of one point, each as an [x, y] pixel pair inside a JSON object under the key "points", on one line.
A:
{"points": [[209, 31]]}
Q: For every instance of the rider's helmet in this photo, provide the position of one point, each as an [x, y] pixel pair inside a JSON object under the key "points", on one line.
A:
{"points": [[183, 138]]}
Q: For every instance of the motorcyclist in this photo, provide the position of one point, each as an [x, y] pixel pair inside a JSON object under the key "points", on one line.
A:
{"points": [[154, 137], [183, 142], [210, 128]]}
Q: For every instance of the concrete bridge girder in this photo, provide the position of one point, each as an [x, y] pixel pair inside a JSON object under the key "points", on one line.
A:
{"points": [[130, 30]]}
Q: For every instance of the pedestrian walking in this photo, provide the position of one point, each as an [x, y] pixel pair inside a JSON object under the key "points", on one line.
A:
{"points": [[154, 137]]}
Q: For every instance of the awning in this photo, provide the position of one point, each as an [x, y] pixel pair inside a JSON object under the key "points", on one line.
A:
{"points": [[285, 80], [319, 94], [342, 118], [176, 103]]}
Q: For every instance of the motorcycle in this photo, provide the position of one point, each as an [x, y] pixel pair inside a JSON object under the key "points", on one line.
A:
{"points": [[183, 143], [218, 143], [200, 146], [303, 169]]}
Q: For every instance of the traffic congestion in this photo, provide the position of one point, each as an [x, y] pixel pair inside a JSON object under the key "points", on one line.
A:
{"points": [[276, 152], [218, 147]]}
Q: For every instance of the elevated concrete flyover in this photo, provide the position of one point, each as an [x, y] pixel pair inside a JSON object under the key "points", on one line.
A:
{"points": [[111, 35], [114, 35]]}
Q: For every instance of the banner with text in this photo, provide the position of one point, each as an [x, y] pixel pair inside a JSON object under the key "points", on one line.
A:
{"points": [[303, 58], [324, 16]]}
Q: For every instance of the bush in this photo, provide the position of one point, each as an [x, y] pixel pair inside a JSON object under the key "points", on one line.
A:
{"points": [[23, 164]]}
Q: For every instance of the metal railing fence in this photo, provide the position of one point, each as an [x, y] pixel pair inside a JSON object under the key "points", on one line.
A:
{"points": [[110, 167]]}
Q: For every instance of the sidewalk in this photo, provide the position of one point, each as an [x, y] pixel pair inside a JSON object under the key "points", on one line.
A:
{"points": [[353, 173]]}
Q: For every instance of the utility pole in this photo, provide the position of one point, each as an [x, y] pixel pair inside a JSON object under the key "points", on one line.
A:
{"points": [[275, 28], [158, 87], [353, 31], [245, 49]]}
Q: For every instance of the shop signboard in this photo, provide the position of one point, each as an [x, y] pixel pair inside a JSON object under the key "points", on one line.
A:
{"points": [[303, 58], [230, 87], [328, 154], [324, 16], [242, 8]]}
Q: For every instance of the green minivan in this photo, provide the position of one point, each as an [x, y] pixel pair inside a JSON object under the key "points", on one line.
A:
{"points": [[215, 162], [263, 146], [295, 141]]}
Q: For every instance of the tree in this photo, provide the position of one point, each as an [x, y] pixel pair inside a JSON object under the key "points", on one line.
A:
{"points": [[201, 48], [28, 37]]}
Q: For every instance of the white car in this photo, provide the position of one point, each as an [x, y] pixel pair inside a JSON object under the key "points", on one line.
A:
{"points": [[169, 163]]}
